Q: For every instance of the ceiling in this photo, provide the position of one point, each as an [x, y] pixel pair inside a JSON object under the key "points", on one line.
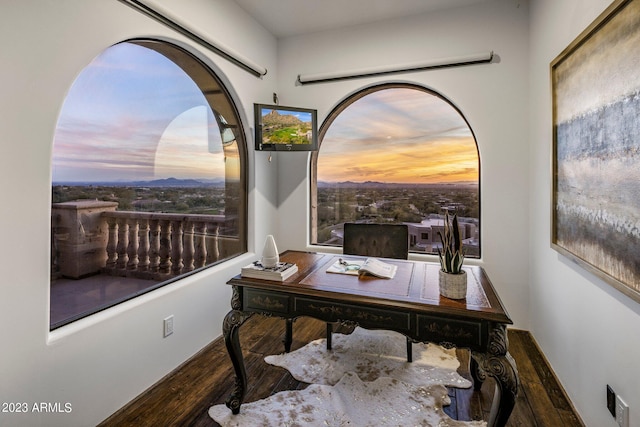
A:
{"points": [[284, 18]]}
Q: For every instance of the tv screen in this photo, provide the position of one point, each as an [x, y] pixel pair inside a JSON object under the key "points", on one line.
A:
{"points": [[280, 128]]}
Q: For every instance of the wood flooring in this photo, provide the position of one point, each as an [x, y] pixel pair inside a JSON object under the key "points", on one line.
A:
{"points": [[184, 396]]}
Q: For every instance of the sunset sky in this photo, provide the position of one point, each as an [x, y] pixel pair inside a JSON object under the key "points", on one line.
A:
{"points": [[398, 135], [132, 114]]}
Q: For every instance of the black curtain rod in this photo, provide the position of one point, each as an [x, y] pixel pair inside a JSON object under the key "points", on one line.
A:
{"points": [[152, 13], [484, 58]]}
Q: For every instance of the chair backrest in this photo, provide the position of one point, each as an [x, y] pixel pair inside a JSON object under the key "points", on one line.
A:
{"points": [[376, 240]]}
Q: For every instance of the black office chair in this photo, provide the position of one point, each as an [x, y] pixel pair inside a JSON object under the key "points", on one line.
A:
{"points": [[375, 240]]}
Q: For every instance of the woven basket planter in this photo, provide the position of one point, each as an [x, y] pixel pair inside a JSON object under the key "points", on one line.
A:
{"points": [[453, 286]]}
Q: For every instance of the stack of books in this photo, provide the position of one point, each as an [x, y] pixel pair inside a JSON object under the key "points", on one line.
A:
{"points": [[280, 272]]}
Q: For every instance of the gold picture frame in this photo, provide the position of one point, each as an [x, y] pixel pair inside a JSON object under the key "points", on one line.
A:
{"points": [[596, 148]]}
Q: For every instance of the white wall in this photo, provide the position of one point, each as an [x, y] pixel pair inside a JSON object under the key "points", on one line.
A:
{"points": [[589, 332], [100, 363], [492, 97]]}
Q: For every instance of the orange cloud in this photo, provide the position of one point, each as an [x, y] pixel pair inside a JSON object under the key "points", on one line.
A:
{"points": [[447, 160]]}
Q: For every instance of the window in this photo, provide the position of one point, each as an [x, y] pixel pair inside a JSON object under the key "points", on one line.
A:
{"points": [[396, 153], [148, 178]]}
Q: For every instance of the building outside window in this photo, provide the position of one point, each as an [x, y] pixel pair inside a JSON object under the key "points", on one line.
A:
{"points": [[148, 178], [396, 153]]}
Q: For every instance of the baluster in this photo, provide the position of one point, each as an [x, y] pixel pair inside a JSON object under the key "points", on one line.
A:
{"points": [[123, 242], [200, 256], [213, 251], [112, 243], [189, 247], [143, 249], [176, 247], [132, 247], [165, 246], [154, 245]]}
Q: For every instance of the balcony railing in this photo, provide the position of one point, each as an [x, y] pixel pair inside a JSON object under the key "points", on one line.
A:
{"points": [[90, 237]]}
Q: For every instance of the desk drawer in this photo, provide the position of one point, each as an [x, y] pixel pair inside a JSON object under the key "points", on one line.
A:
{"points": [[365, 316], [462, 333], [271, 302]]}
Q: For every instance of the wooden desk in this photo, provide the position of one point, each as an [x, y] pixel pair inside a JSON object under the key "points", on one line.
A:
{"points": [[410, 304]]}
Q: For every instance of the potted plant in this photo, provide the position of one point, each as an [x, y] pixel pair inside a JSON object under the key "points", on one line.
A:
{"points": [[453, 279]]}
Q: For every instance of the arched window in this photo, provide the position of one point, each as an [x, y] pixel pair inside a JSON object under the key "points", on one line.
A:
{"points": [[148, 177], [396, 153]]}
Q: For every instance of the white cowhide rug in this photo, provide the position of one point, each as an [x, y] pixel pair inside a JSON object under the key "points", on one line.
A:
{"points": [[364, 380], [372, 354]]}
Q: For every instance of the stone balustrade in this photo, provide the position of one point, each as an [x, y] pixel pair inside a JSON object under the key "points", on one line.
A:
{"points": [[90, 237]]}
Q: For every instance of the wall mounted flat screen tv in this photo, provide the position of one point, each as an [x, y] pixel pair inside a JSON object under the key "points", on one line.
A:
{"points": [[280, 128]]}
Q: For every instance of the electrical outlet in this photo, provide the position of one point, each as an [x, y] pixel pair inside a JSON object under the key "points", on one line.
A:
{"points": [[168, 326], [622, 412]]}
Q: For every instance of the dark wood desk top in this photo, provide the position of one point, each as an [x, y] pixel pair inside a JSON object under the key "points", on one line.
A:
{"points": [[414, 288]]}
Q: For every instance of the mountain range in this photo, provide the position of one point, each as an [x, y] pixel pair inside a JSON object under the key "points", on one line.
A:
{"points": [[165, 182], [376, 184], [275, 118]]}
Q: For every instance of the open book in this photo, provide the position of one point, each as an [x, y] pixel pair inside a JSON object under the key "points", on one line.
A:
{"points": [[371, 266]]}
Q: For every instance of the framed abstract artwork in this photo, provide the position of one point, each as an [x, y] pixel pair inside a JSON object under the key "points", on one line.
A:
{"points": [[596, 148]]}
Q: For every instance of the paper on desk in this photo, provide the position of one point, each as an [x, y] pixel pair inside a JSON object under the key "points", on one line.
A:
{"points": [[370, 266]]}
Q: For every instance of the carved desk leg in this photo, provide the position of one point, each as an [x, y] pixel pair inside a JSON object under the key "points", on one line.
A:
{"points": [[288, 335], [477, 374], [232, 322], [498, 363]]}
